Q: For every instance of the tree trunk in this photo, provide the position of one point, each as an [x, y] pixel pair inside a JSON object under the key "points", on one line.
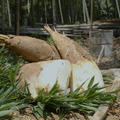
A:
{"points": [[45, 11], [28, 6], [54, 11], [3, 14], [17, 17], [31, 14], [9, 15], [61, 14], [86, 11], [91, 19], [91, 25], [84, 16], [118, 9]]}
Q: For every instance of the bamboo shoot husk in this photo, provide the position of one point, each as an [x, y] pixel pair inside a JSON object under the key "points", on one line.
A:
{"points": [[31, 49]]}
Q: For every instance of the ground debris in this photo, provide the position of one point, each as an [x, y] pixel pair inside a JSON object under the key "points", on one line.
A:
{"points": [[26, 114], [74, 116], [55, 117], [113, 60], [112, 117]]}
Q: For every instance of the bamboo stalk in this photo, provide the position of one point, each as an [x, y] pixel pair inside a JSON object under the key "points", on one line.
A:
{"points": [[9, 15], [86, 11], [118, 9], [28, 6], [54, 11], [91, 24], [3, 14], [61, 14], [18, 17], [91, 17], [45, 11]]}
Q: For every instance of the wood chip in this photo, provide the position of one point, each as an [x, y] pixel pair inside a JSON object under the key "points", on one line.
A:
{"points": [[101, 113]]}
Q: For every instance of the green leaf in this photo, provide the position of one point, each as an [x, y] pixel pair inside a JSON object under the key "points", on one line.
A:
{"points": [[6, 112], [55, 89], [7, 105], [40, 112], [91, 82]]}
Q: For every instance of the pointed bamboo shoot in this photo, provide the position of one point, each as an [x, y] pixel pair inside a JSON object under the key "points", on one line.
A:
{"points": [[83, 66]]}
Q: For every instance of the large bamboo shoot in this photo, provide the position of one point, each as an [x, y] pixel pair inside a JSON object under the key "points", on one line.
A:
{"points": [[31, 49], [44, 75], [83, 66]]}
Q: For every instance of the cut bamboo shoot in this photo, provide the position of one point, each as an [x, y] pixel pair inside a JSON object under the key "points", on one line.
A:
{"points": [[83, 66], [44, 75], [83, 72]]}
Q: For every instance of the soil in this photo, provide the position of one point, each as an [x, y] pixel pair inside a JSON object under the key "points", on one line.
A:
{"points": [[26, 114], [113, 113]]}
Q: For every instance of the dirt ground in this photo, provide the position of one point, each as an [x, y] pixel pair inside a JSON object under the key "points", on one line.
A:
{"points": [[112, 114]]}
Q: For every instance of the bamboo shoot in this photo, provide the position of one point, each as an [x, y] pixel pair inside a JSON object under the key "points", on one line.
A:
{"points": [[44, 75], [83, 66], [29, 48]]}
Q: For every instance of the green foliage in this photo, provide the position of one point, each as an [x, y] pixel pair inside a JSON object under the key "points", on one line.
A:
{"points": [[50, 41], [85, 101], [9, 67], [11, 96], [80, 41], [9, 100]]}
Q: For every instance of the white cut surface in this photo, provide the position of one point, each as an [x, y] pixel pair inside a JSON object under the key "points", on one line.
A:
{"points": [[45, 74], [55, 71], [84, 71]]}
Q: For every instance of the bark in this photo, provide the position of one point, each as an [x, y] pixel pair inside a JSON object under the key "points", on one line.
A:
{"points": [[84, 16], [61, 14], [28, 6], [45, 11], [9, 14], [118, 9], [32, 14], [86, 11], [54, 11], [17, 17], [3, 14]]}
